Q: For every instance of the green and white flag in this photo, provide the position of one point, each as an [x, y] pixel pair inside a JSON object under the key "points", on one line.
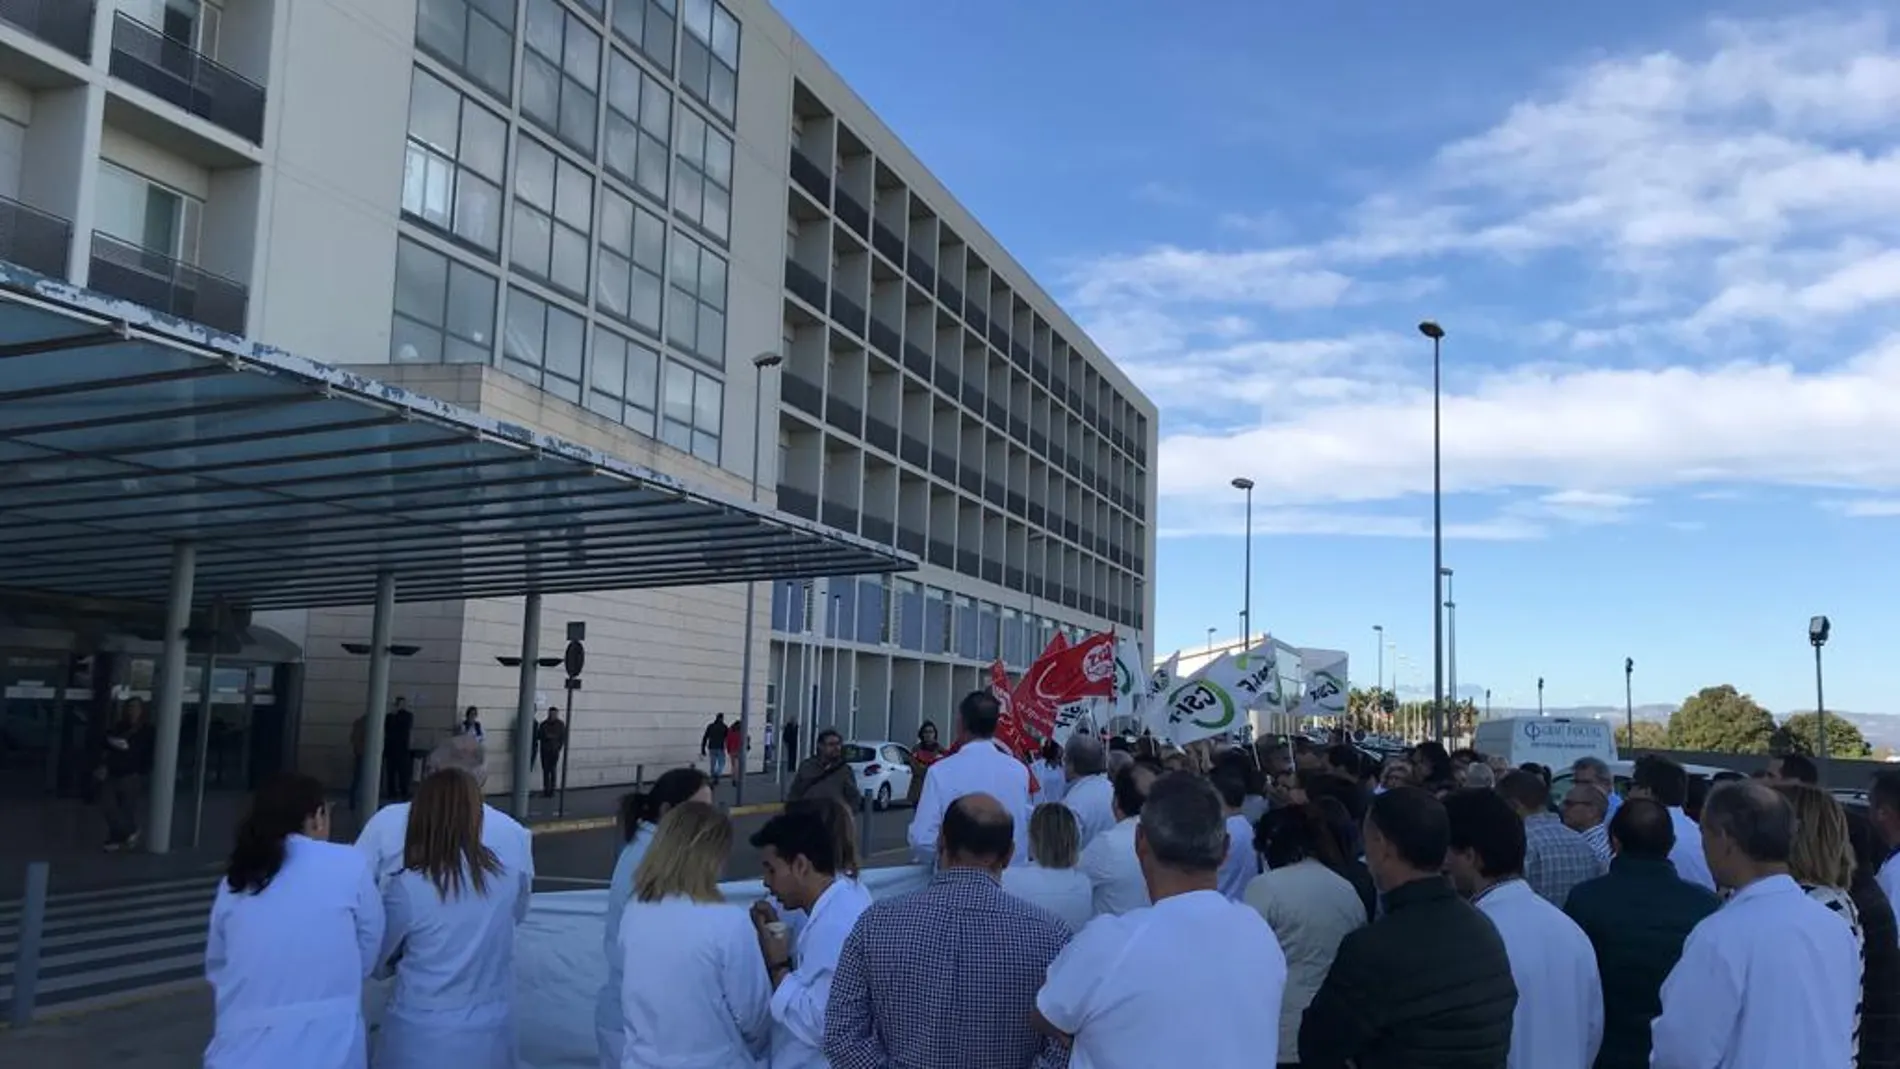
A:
{"points": [[1324, 675], [1131, 677], [1215, 700]]}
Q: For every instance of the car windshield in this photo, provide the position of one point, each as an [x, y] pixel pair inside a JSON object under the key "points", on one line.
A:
{"points": [[856, 754]]}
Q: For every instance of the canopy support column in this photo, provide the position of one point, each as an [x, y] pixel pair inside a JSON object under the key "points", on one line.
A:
{"points": [[171, 699], [524, 705], [376, 705]]}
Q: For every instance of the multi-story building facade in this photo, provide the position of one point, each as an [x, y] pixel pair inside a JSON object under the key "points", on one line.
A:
{"points": [[592, 216]]}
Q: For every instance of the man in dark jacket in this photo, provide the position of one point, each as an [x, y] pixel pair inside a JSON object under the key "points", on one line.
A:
{"points": [[124, 763], [1427, 985], [399, 764], [1637, 917], [825, 774]]}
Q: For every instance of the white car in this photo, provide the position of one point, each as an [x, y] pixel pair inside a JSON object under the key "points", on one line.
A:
{"points": [[1620, 771], [881, 769]]}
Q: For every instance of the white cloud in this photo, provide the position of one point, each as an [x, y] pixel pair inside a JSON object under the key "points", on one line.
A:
{"points": [[1698, 254], [1867, 507]]}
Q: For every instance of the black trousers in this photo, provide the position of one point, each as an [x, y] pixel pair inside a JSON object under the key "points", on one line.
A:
{"points": [[398, 774], [550, 767]]}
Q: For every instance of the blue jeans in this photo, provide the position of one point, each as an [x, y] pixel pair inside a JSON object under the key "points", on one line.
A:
{"points": [[718, 759]]}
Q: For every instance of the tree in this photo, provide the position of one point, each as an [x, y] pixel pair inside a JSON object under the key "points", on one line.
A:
{"points": [[1800, 733], [1721, 720], [1650, 735]]}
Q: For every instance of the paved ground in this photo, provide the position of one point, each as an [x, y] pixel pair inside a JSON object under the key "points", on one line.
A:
{"points": [[167, 1032], [580, 859]]}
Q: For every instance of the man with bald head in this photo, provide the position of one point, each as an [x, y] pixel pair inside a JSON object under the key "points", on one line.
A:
{"points": [[947, 975], [1586, 810], [382, 838]]}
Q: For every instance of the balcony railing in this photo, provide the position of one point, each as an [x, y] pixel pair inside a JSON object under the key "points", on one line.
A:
{"points": [[1019, 354], [1018, 504], [970, 478], [994, 493], [797, 502], [840, 515], [993, 571], [1019, 428], [811, 177], [920, 271], [803, 394], [972, 396], [64, 24], [942, 554], [915, 452], [851, 212], [943, 465], [847, 313], [880, 434], [999, 337], [845, 416], [173, 70], [967, 563], [950, 295], [948, 381], [911, 540], [973, 314], [1013, 578], [886, 241], [885, 339], [805, 284], [34, 239], [878, 530], [997, 414], [166, 285], [917, 362]]}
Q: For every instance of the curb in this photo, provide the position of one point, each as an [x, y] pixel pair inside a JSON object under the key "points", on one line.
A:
{"points": [[565, 827], [103, 1003]]}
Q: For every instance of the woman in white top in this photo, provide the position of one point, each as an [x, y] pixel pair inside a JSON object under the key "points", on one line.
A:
{"points": [[294, 931], [640, 813], [1051, 780], [452, 915], [694, 993], [1310, 907], [1051, 879], [1823, 861]]}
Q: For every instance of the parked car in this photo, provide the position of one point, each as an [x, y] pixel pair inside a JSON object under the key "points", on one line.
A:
{"points": [[881, 768], [1621, 771]]}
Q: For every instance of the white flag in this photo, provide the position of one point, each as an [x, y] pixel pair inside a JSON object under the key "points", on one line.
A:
{"points": [[1083, 713], [1325, 679], [1213, 701], [1131, 676], [1160, 681]]}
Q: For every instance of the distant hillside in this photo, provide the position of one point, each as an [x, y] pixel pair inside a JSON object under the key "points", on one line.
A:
{"points": [[1879, 729]]}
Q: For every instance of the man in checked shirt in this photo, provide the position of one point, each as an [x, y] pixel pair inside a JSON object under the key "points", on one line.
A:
{"points": [[946, 977]]}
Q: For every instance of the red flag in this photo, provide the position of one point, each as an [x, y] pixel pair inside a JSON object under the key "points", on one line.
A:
{"points": [[1059, 677], [1009, 730]]}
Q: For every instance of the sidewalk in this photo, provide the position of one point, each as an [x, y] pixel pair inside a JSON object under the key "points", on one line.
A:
{"points": [[165, 1032]]}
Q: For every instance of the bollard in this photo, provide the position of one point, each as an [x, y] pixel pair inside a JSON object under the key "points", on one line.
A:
{"points": [[865, 849], [26, 961], [639, 777]]}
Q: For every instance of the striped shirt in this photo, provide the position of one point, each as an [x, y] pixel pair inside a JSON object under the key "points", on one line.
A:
{"points": [[1842, 904]]}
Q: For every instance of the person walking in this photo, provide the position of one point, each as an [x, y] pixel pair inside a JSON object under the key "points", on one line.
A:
{"points": [[125, 761], [398, 762], [552, 735], [452, 913], [735, 751], [789, 745], [712, 747], [295, 929], [826, 775]]}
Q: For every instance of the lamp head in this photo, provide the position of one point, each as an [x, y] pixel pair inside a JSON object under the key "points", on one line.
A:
{"points": [[1818, 630], [1431, 330], [1629, 665], [1540, 682], [765, 360], [1446, 572], [1243, 483]]}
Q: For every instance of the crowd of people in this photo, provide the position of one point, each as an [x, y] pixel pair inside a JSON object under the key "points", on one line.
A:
{"points": [[1110, 907]]}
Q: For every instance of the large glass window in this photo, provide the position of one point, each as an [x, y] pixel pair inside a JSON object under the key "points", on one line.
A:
{"points": [[696, 301], [693, 406], [709, 56], [554, 209], [702, 183], [629, 284], [560, 74], [543, 344], [452, 174], [910, 615], [624, 385], [445, 309], [648, 25], [639, 110], [476, 37], [149, 216]]}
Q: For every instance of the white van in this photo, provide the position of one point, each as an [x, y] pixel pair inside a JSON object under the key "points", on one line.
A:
{"points": [[1555, 742]]}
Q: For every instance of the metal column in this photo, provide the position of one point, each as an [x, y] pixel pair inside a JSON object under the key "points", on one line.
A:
{"points": [[524, 705], [171, 700], [204, 739], [376, 704]]}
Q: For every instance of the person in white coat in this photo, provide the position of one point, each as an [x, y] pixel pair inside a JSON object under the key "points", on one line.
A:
{"points": [[383, 838], [1558, 1023], [979, 765], [1088, 792], [452, 912], [1770, 980], [640, 814], [1052, 879], [694, 992], [798, 855], [1110, 861], [295, 929]]}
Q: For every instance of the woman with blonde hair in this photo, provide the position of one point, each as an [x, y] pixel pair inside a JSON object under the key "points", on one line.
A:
{"points": [[1051, 879], [694, 990], [452, 912], [1822, 861]]}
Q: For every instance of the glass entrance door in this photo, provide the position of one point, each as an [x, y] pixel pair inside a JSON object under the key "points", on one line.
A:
{"points": [[43, 698]]}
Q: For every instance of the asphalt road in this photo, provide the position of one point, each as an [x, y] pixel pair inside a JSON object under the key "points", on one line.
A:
{"points": [[571, 861]]}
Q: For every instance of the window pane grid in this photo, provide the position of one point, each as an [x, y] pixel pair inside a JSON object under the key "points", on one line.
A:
{"points": [[709, 56], [649, 27], [696, 301], [702, 184], [624, 382], [554, 206], [444, 309], [560, 79], [452, 171], [543, 345], [476, 37], [630, 283], [692, 407], [638, 109]]}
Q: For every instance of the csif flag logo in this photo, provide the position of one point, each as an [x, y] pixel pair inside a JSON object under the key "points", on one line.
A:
{"points": [[1202, 704], [1323, 686]]}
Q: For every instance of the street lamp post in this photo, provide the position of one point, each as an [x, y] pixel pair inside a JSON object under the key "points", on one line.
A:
{"points": [[1629, 701], [1818, 630], [759, 364], [1437, 334], [1487, 703], [1245, 485], [1210, 638], [1451, 638], [1378, 689], [1540, 695]]}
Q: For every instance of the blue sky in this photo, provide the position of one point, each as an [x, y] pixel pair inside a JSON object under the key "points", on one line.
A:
{"points": [[1664, 241]]}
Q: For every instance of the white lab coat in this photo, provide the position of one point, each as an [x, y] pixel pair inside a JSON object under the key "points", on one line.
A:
{"points": [[610, 1035], [1050, 782], [1092, 800], [798, 1006], [287, 964], [1242, 863], [1194, 980], [382, 841], [1691, 863], [1114, 871], [980, 767], [1558, 1023], [694, 994], [1769, 981], [1063, 892], [453, 1004]]}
